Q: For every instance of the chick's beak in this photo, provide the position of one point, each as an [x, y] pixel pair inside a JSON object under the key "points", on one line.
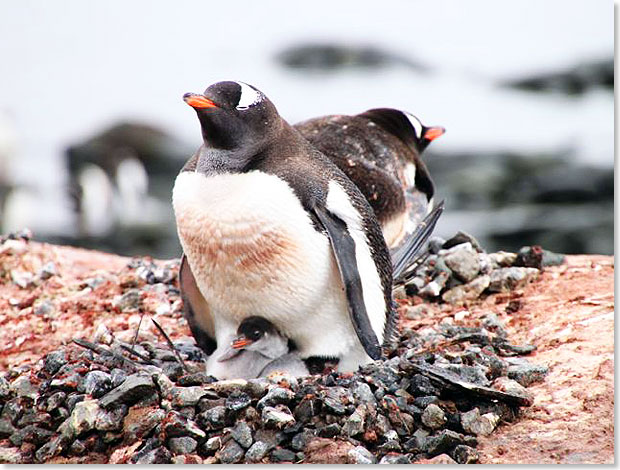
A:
{"points": [[241, 342], [198, 101]]}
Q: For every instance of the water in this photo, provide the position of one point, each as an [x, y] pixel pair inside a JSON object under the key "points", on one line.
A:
{"points": [[71, 68]]}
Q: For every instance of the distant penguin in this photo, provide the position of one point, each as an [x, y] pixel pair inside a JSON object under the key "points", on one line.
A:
{"points": [[257, 350], [270, 227], [379, 150]]}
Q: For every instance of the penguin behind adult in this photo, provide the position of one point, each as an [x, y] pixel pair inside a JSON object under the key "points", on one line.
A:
{"points": [[379, 150], [271, 227]]}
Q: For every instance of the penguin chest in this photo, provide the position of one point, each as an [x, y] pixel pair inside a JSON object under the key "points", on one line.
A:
{"points": [[251, 246]]}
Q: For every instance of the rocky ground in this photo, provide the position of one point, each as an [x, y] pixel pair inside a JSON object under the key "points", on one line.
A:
{"points": [[502, 359]]}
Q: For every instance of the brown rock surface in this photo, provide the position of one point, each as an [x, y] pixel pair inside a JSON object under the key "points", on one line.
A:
{"points": [[568, 313]]}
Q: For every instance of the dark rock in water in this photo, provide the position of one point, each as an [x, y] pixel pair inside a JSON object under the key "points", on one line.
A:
{"points": [[331, 57], [231, 452], [465, 454], [576, 80], [256, 452], [282, 455], [131, 390]]}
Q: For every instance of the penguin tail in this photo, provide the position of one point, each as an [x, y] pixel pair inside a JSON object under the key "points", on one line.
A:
{"points": [[409, 256]]}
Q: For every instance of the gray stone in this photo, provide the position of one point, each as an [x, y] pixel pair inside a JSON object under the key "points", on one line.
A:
{"points": [[462, 261], [117, 376], [479, 425], [130, 301], [278, 418], [434, 288], [48, 270], [187, 396], [394, 459], [43, 308], [11, 455], [526, 373], [504, 384], [237, 401], [445, 440], [133, 388], [283, 455], [467, 292], [501, 259], [257, 452], [6, 427], [461, 238], [159, 455], [5, 388], [137, 428], [95, 383], [82, 419], [300, 440], [433, 417], [465, 454], [362, 392], [276, 396], [182, 445], [22, 387], [335, 400], [54, 447], [355, 422], [507, 279], [111, 420], [213, 418], [361, 455], [242, 433], [231, 452], [213, 444]]}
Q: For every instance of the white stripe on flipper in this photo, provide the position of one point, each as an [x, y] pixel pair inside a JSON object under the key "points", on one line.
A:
{"points": [[339, 204], [249, 96], [415, 122]]}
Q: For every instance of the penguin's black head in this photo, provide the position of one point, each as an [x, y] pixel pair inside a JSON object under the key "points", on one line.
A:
{"points": [[235, 117], [423, 135]]}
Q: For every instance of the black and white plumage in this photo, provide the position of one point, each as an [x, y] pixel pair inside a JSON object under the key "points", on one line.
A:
{"points": [[379, 150], [257, 350], [270, 227]]}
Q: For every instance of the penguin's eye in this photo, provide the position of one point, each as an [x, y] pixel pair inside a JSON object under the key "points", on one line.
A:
{"points": [[255, 335], [248, 96]]}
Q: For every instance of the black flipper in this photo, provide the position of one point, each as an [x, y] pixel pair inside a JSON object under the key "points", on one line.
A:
{"points": [[407, 254], [343, 247], [194, 302]]}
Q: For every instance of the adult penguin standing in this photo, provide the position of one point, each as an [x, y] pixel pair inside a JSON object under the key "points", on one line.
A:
{"points": [[270, 227]]}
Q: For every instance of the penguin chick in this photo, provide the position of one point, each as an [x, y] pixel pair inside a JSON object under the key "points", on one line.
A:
{"points": [[257, 350]]}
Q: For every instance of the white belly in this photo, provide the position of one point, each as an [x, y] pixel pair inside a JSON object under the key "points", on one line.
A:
{"points": [[253, 251]]}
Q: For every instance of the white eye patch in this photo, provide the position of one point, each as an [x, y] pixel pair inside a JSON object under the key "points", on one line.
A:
{"points": [[248, 97], [417, 125]]}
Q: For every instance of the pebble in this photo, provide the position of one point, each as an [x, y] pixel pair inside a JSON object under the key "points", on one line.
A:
{"points": [[133, 388], [362, 392], [278, 418], [82, 419], [231, 452], [433, 417], [504, 384], [507, 279], [479, 425], [445, 440], [182, 445], [282, 455], [462, 238], [242, 433], [213, 418], [129, 302], [22, 279], [95, 383], [48, 270], [187, 396], [159, 455], [238, 400], [256, 452], [465, 454], [175, 424], [276, 396], [394, 459], [463, 261], [524, 372], [43, 308], [459, 295], [361, 455], [23, 387], [355, 422]]}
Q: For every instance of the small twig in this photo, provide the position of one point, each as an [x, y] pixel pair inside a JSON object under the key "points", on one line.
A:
{"points": [[135, 338], [101, 350], [171, 344], [131, 350]]}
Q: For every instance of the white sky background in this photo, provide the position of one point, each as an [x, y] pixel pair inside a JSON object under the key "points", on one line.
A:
{"points": [[72, 67]]}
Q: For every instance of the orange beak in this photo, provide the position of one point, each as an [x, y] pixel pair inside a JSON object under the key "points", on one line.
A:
{"points": [[241, 342], [198, 101], [433, 132]]}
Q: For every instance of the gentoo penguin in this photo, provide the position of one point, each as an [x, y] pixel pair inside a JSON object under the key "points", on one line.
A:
{"points": [[270, 227], [379, 150], [257, 350]]}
